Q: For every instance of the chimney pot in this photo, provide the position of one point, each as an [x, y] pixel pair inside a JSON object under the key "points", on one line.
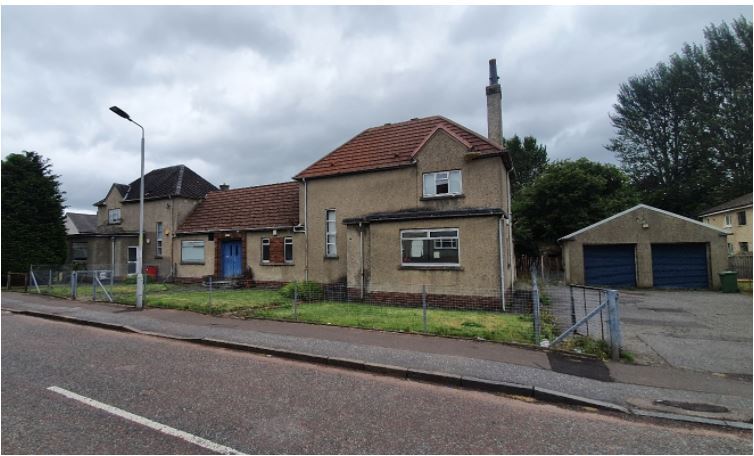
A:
{"points": [[494, 106], [224, 187], [493, 72]]}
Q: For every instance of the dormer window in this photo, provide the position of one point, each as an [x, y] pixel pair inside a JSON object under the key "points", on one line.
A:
{"points": [[113, 216], [442, 183]]}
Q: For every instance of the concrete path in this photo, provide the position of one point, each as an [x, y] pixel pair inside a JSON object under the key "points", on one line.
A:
{"points": [[626, 385]]}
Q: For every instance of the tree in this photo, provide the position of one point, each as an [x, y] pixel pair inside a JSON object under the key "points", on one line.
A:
{"points": [[33, 224], [684, 128], [529, 159], [568, 196]]}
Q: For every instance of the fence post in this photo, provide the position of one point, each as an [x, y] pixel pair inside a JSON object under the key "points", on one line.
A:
{"points": [[94, 287], [573, 307], [424, 307], [614, 321], [49, 282], [210, 291], [295, 300], [8, 284], [535, 303], [74, 283]]}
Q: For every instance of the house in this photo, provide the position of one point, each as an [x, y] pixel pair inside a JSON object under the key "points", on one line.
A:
{"points": [[78, 227], [645, 247], [734, 216], [246, 232], [169, 196], [398, 207]]}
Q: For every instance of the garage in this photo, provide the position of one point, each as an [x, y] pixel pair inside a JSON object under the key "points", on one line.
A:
{"points": [[645, 247], [610, 265], [680, 265]]}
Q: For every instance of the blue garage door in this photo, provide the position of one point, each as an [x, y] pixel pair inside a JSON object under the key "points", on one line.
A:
{"points": [[610, 265], [680, 265]]}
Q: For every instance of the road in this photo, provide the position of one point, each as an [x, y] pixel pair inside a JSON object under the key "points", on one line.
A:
{"points": [[256, 404]]}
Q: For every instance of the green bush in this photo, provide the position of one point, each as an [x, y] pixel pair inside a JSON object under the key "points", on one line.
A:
{"points": [[307, 291]]}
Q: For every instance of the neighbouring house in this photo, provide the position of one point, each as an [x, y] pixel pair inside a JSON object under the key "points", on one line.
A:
{"points": [[733, 216], [398, 207], [645, 247], [243, 233], [169, 196], [78, 228]]}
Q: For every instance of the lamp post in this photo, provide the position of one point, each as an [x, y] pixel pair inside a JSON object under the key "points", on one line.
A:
{"points": [[139, 256]]}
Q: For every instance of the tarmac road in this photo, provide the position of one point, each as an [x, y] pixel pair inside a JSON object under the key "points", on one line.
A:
{"points": [[256, 404]]}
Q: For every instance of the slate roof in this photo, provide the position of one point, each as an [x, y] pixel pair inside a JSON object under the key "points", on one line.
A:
{"points": [[82, 223], [178, 180], [121, 188], [249, 208], [735, 203], [394, 146]]}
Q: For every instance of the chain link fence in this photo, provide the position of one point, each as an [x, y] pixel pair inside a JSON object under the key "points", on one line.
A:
{"points": [[533, 312]]}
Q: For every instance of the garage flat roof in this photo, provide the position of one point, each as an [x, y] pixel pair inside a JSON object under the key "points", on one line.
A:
{"points": [[640, 206]]}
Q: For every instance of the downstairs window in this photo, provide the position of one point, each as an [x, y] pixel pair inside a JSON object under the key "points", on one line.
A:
{"points": [[435, 247]]}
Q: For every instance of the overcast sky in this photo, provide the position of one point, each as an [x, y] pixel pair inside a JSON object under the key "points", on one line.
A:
{"points": [[252, 95]]}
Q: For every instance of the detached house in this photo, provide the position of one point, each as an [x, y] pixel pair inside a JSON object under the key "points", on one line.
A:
{"points": [[170, 194], [424, 202]]}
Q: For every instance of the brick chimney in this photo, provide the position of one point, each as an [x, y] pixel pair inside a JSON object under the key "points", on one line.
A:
{"points": [[494, 106]]}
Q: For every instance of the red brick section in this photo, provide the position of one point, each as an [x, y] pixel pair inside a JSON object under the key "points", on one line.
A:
{"points": [[516, 302], [265, 206], [277, 255], [392, 145]]}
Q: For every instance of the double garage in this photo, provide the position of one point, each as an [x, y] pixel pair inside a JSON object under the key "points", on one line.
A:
{"points": [[645, 247]]}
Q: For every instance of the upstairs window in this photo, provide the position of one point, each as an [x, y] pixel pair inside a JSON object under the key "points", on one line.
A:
{"points": [[429, 247], [158, 240], [113, 216], [728, 220], [742, 218], [331, 249], [442, 183]]}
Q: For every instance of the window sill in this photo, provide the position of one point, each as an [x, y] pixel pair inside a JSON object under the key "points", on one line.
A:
{"points": [[191, 264], [425, 267], [331, 257], [263, 263], [115, 223], [442, 197]]}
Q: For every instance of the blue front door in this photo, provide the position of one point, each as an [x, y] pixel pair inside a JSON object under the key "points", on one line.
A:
{"points": [[231, 259]]}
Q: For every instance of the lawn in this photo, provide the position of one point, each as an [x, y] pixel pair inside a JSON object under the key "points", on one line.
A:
{"points": [[256, 303]]}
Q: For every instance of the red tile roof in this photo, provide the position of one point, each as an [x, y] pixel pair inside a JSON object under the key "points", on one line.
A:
{"points": [[264, 206], [392, 146]]}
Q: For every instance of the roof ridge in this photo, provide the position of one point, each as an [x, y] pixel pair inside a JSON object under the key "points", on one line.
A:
{"points": [[472, 132], [179, 181], [254, 186]]}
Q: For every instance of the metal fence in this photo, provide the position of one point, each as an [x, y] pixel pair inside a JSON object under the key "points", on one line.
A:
{"points": [[742, 264], [534, 311]]}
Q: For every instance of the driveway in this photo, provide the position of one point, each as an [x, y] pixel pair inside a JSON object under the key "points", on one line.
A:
{"points": [[697, 330]]}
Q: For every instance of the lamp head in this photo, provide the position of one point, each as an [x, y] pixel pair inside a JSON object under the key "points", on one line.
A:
{"points": [[120, 112]]}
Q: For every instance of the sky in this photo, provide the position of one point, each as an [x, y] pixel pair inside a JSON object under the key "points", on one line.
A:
{"points": [[250, 95]]}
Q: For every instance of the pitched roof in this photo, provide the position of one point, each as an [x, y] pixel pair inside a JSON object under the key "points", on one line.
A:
{"points": [[264, 206], [121, 188], [639, 206], [81, 223], [735, 203], [178, 180], [393, 146]]}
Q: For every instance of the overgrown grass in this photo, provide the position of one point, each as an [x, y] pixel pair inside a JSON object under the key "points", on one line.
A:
{"points": [[256, 303], [594, 347]]}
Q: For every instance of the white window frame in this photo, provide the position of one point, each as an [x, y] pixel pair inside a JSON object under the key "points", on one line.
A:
{"points": [[133, 262], [428, 231], [195, 242], [730, 248], [438, 176], [286, 242], [113, 220], [331, 231], [728, 220], [159, 236], [266, 243]]}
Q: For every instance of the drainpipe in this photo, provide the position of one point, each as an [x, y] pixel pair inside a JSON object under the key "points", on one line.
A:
{"points": [[363, 278], [510, 238], [502, 260], [306, 231], [112, 258]]}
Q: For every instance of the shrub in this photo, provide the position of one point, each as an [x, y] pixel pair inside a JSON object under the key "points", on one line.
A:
{"points": [[307, 291]]}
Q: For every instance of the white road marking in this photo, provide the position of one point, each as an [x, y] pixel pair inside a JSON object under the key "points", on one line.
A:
{"points": [[204, 443]]}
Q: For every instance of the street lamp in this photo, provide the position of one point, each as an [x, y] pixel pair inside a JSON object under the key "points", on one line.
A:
{"points": [[139, 264]]}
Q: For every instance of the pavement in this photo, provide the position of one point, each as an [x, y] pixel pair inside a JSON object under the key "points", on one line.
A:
{"points": [[654, 391], [74, 389]]}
